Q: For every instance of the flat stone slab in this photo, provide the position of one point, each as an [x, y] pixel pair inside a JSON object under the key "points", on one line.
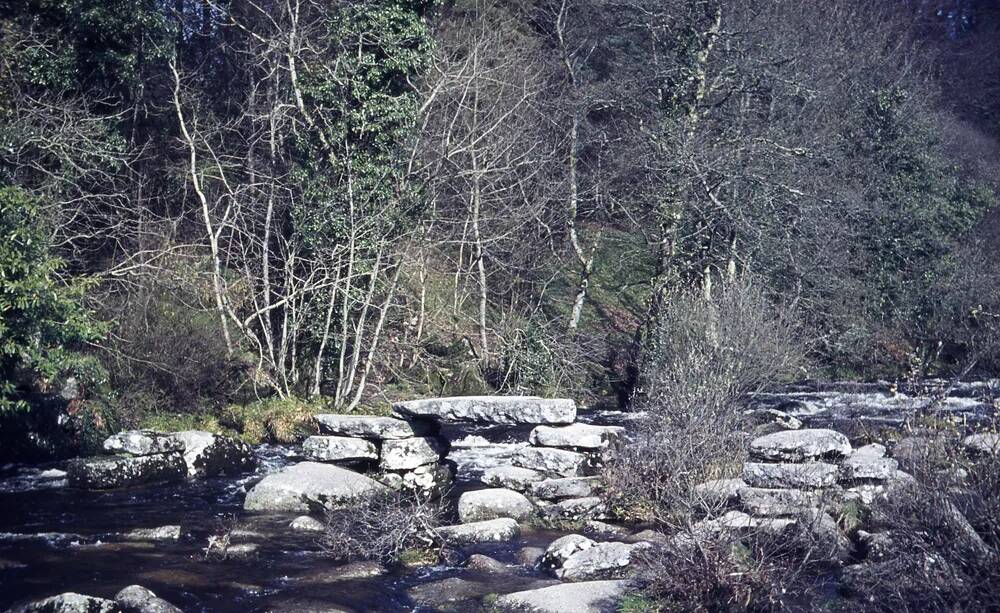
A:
{"points": [[565, 487], [141, 442], [512, 477], [719, 492], [800, 446], [409, 453], [491, 409], [986, 443], [591, 507], [777, 502], [371, 426], [338, 449], [575, 436], [585, 597], [498, 530], [494, 503], [810, 475], [560, 462], [125, 471], [868, 467], [208, 455], [309, 486], [161, 533]]}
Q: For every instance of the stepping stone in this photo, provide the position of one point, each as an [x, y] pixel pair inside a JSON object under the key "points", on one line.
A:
{"points": [[868, 466], [810, 475], [494, 503], [599, 560], [338, 448], [800, 446], [512, 477], [555, 461], [372, 427], [410, 453], [566, 487], [777, 502], [489, 531], [506, 410], [581, 436]]}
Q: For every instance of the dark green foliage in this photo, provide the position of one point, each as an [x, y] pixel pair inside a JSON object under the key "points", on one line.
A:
{"points": [[41, 319]]}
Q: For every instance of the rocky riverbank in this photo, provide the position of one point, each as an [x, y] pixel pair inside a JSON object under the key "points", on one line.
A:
{"points": [[203, 523]]}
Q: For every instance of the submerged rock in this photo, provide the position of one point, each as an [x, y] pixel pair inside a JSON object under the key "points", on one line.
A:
{"points": [[207, 454], [304, 523], [338, 449], [309, 486], [800, 445], [581, 436], [494, 503], [372, 427], [584, 597], [161, 533], [123, 471], [491, 409], [488, 531], [137, 599]]}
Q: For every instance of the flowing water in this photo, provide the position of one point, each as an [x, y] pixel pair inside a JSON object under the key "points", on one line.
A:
{"points": [[55, 539]]}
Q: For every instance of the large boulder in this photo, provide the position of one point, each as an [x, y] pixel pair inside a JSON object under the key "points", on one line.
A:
{"points": [[585, 597], [810, 475], [338, 449], [494, 503], [491, 409], [207, 454], [141, 442], [309, 486], [137, 599], [600, 560], [800, 446], [124, 471], [372, 427], [488, 531], [565, 487], [580, 436], [560, 462], [69, 602], [409, 453]]}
